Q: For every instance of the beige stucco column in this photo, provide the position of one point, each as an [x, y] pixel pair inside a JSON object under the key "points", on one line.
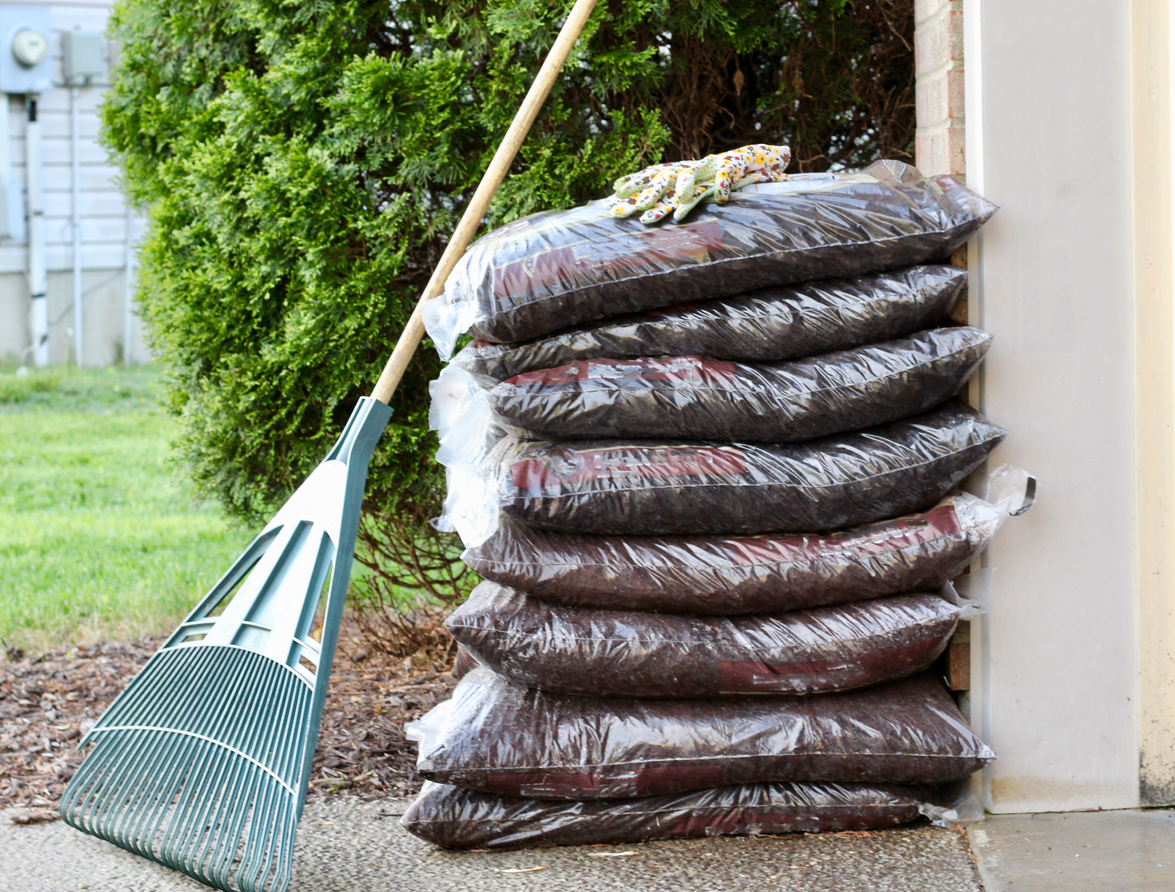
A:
{"points": [[1062, 114], [1152, 38]]}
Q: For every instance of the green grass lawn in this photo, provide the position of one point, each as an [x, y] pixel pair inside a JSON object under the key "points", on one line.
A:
{"points": [[99, 535]]}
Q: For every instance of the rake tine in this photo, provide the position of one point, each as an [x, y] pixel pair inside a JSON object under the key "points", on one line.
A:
{"points": [[259, 850], [148, 801], [222, 852], [282, 744], [175, 795], [150, 804], [217, 849], [183, 852], [204, 793], [162, 751], [178, 754], [130, 755], [217, 852]]}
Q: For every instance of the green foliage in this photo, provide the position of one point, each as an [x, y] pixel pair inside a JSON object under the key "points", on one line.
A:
{"points": [[303, 163]]}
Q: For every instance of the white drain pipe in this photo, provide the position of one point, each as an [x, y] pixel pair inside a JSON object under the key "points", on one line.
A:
{"points": [[12, 226], [39, 302], [129, 300], [75, 152]]}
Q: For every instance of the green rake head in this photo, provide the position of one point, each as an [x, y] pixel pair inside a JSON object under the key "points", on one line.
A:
{"points": [[202, 762]]}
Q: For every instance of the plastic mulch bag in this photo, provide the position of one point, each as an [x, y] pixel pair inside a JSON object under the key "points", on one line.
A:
{"points": [[768, 325], [649, 488], [456, 818], [501, 738], [626, 653], [730, 575], [708, 399], [463, 663], [549, 271]]}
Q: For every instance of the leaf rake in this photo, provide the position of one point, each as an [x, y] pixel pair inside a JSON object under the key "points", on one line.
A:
{"points": [[202, 763]]}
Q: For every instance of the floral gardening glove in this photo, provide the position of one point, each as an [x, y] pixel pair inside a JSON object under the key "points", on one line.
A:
{"points": [[679, 187], [650, 190], [718, 175]]}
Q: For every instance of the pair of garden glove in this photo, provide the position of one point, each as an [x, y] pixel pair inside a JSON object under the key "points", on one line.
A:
{"points": [[677, 188]]}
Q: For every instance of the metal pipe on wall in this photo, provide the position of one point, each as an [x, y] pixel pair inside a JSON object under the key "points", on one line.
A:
{"points": [[38, 301]]}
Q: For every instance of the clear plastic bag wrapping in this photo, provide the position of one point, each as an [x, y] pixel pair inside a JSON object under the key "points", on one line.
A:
{"points": [[548, 271], [730, 575], [627, 653], [695, 398], [501, 738], [458, 818], [769, 325], [649, 488]]}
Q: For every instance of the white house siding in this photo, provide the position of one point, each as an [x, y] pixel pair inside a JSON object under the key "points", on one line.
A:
{"points": [[106, 225]]}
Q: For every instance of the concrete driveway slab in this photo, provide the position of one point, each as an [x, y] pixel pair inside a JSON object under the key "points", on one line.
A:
{"points": [[1104, 851], [347, 845]]}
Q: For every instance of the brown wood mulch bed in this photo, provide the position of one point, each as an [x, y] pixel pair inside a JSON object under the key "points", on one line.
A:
{"points": [[48, 702]]}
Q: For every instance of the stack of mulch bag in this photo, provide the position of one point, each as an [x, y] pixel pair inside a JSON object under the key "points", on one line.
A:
{"points": [[710, 475]]}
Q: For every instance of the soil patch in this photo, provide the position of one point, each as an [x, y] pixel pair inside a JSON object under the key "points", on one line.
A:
{"points": [[48, 702]]}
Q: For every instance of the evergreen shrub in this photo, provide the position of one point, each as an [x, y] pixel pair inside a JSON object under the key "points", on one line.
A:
{"points": [[304, 161]]}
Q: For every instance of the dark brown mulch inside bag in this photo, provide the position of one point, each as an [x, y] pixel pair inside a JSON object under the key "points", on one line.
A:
{"points": [[703, 399], [672, 487], [628, 653], [502, 738], [48, 702]]}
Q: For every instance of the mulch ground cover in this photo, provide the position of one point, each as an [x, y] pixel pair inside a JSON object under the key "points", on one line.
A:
{"points": [[48, 702]]}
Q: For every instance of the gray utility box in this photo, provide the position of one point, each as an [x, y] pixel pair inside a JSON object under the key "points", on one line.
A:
{"points": [[26, 64], [84, 57]]}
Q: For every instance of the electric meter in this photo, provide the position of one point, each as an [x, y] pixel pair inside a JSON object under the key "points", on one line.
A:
{"points": [[30, 47], [26, 60]]}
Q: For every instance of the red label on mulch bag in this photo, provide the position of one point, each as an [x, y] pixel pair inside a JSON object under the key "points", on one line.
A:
{"points": [[894, 536], [669, 369], [633, 254], [636, 463]]}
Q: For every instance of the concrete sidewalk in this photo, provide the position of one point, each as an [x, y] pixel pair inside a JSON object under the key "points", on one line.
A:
{"points": [[1101, 851], [344, 845], [347, 845]]}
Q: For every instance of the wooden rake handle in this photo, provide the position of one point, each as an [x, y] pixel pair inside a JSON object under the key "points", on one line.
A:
{"points": [[495, 173]]}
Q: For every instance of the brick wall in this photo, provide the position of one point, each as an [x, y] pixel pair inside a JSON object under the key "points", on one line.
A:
{"points": [[938, 86], [939, 149]]}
